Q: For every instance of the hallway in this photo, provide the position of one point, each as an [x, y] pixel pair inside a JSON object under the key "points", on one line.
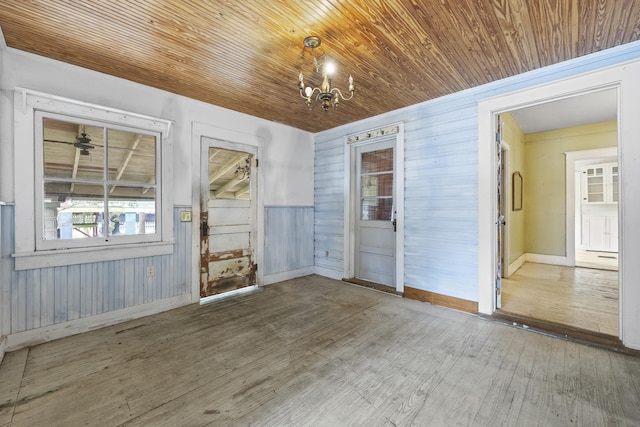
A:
{"points": [[579, 297]]}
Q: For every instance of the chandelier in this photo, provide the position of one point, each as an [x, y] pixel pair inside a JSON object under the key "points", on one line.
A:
{"points": [[325, 94]]}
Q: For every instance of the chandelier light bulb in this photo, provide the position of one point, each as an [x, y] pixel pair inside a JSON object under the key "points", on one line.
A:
{"points": [[330, 68]]}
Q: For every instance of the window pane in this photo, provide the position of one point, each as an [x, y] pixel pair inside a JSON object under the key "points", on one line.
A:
{"points": [[73, 211], [72, 150], [132, 157], [376, 209], [229, 174], [377, 185], [132, 216], [377, 161]]}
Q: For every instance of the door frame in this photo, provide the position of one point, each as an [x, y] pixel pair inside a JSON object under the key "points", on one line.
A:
{"points": [[506, 206], [232, 140], [395, 131], [571, 157], [620, 76]]}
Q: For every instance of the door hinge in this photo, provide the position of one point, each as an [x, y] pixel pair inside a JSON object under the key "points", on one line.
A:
{"points": [[256, 162]]}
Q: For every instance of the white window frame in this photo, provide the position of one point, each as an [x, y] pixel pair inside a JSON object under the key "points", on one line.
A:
{"points": [[30, 252]]}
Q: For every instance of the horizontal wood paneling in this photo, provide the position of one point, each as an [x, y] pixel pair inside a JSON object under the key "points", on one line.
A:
{"points": [[288, 238], [48, 296], [441, 180]]}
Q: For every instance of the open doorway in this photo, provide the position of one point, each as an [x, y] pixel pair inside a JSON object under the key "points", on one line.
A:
{"points": [[569, 209], [596, 208]]}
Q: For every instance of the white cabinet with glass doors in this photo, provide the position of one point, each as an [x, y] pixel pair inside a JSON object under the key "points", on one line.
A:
{"points": [[600, 183], [599, 207]]}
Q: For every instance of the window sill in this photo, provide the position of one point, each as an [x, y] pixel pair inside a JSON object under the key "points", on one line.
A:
{"points": [[61, 257]]}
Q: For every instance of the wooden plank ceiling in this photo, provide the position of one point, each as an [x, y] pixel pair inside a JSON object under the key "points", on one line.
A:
{"points": [[246, 56]]}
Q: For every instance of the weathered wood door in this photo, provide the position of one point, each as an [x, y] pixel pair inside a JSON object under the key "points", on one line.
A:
{"points": [[228, 217]]}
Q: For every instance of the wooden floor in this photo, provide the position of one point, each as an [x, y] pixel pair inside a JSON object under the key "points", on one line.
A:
{"points": [[315, 351], [585, 298], [599, 260]]}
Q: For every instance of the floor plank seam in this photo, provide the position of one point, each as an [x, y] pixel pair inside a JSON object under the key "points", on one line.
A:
{"points": [[22, 377]]}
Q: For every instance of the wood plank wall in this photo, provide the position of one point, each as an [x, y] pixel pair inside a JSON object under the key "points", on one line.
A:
{"points": [[47, 296], [329, 202], [441, 180], [288, 242]]}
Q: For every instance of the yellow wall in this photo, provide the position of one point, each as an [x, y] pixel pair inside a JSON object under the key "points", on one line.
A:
{"points": [[514, 137], [544, 181]]}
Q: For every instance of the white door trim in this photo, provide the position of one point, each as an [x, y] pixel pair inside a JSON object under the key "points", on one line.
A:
{"points": [[570, 167], [225, 138], [350, 202], [506, 204], [624, 76], [486, 167]]}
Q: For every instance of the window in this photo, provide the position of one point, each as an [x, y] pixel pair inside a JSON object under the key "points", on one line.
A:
{"points": [[376, 185], [98, 183], [97, 178]]}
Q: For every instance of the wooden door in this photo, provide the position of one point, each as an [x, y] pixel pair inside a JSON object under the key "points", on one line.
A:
{"points": [[375, 214], [228, 219]]}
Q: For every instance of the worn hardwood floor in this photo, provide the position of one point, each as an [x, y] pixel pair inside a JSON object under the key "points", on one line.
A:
{"points": [[315, 351], [585, 298], [599, 260]]}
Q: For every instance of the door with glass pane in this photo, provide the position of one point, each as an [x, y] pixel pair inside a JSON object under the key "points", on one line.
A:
{"points": [[227, 218], [375, 220]]}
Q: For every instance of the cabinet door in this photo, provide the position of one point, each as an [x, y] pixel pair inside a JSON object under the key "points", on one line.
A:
{"points": [[594, 233], [595, 185], [600, 183]]}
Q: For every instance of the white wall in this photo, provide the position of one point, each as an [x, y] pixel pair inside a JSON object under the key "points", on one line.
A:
{"points": [[286, 168], [288, 152], [3, 159]]}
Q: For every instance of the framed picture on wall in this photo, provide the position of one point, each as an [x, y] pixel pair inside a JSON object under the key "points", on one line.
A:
{"points": [[516, 191]]}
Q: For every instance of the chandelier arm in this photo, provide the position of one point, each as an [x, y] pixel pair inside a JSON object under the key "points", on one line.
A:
{"points": [[339, 93]]}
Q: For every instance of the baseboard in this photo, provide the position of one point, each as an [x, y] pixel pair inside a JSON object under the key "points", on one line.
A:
{"points": [[546, 259], [327, 272], [442, 300], [514, 266], [287, 275], [61, 330]]}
